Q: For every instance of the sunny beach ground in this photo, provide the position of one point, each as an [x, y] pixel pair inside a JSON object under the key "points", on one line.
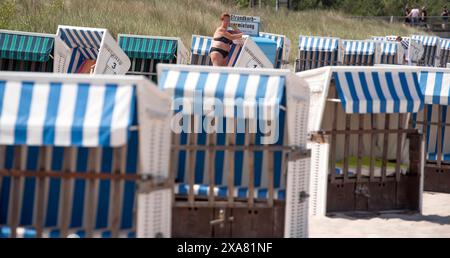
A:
{"points": [[434, 222]]}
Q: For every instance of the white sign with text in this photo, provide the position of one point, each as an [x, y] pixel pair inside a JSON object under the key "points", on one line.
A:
{"points": [[249, 25]]}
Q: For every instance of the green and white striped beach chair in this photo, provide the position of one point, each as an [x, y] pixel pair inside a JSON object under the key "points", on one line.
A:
{"points": [[145, 52], [26, 51]]}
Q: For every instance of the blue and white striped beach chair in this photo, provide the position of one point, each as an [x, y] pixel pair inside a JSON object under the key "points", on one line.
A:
{"points": [[445, 53], [75, 45], [359, 52], [269, 48], [315, 52], [431, 46], [145, 52], [200, 50], [360, 160], [25, 51], [71, 156], [283, 48], [241, 159], [434, 121], [391, 52]]}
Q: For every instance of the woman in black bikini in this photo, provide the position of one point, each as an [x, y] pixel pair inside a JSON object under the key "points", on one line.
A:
{"points": [[222, 42]]}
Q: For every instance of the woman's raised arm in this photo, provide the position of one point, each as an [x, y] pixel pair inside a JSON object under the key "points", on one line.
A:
{"points": [[232, 36]]}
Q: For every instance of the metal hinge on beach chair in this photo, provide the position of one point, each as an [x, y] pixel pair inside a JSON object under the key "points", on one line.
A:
{"points": [[147, 184]]}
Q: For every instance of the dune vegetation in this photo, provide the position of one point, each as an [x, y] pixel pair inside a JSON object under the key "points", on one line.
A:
{"points": [[181, 18]]}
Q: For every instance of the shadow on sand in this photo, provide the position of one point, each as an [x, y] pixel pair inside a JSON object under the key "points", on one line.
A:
{"points": [[406, 216]]}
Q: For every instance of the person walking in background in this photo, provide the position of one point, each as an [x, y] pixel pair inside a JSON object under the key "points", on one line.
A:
{"points": [[406, 14], [424, 17], [445, 15], [414, 16]]}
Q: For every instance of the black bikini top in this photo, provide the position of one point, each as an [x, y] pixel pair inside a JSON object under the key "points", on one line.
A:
{"points": [[224, 40]]}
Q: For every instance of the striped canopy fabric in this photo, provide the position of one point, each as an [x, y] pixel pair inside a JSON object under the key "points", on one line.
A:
{"points": [[233, 55], [200, 50], [99, 109], [426, 40], [430, 44], [436, 116], [268, 46], [148, 48], [315, 52], [279, 39], [378, 91], [359, 47], [222, 191], [390, 52], [359, 53], [445, 44], [388, 48], [65, 114], [201, 44], [445, 53], [325, 44], [28, 232], [236, 90], [246, 87], [435, 87], [241, 160], [283, 45], [405, 43], [432, 139], [86, 40], [54, 191], [25, 47], [435, 113]]}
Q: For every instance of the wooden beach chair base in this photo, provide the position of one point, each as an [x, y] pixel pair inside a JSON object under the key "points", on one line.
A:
{"points": [[378, 194], [239, 222], [374, 196], [437, 179]]}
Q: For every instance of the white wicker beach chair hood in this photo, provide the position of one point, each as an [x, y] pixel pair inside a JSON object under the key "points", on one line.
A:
{"points": [[74, 45]]}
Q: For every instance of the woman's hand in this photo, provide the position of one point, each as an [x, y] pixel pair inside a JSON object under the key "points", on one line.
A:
{"points": [[236, 30]]}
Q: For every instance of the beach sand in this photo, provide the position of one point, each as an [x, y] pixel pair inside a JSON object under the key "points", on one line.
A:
{"points": [[434, 222]]}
